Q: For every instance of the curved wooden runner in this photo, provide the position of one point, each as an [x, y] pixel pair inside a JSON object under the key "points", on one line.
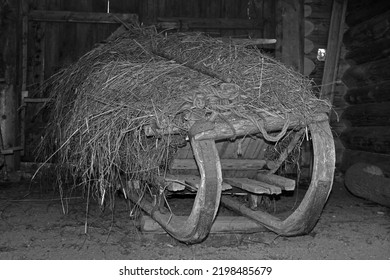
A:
{"points": [[205, 207], [304, 218], [198, 224]]}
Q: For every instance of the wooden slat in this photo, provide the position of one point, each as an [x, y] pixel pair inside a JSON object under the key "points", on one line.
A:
{"points": [[222, 224], [67, 16], [227, 164], [279, 181], [183, 23], [242, 127], [290, 34], [180, 182], [335, 37], [253, 186]]}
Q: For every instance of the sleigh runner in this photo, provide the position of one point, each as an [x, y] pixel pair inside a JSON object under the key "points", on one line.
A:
{"points": [[147, 106]]}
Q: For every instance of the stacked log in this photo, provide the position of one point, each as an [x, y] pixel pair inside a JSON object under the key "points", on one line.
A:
{"points": [[367, 137]]}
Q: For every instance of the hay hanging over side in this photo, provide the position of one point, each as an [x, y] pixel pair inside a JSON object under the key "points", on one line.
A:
{"points": [[102, 103]]}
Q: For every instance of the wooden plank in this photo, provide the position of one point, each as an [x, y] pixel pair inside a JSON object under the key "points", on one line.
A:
{"points": [[222, 224], [183, 23], [371, 114], [253, 186], [245, 127], [374, 139], [335, 37], [191, 182], [290, 40], [365, 11], [279, 181], [368, 31], [369, 52], [367, 74], [242, 127], [81, 17], [227, 164], [369, 94]]}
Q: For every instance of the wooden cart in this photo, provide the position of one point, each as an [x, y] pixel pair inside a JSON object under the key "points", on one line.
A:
{"points": [[208, 142]]}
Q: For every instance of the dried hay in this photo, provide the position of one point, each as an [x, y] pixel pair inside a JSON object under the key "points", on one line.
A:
{"points": [[102, 103]]}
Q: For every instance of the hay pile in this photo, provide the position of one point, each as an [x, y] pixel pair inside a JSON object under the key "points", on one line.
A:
{"points": [[139, 77]]}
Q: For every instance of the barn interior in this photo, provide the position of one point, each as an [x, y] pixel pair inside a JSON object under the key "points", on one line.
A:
{"points": [[342, 47]]}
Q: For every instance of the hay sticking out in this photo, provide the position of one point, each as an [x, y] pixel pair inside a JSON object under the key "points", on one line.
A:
{"points": [[102, 103]]}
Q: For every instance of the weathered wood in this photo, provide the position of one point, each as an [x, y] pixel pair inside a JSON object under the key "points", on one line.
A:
{"points": [[335, 37], [183, 23], [290, 44], [249, 42], [368, 181], [376, 28], [309, 46], [306, 216], [351, 157], [227, 164], [279, 181], [368, 94], [246, 127], [365, 10], [222, 224], [374, 139], [180, 182], [366, 74], [253, 186], [371, 114], [82, 17], [242, 127], [369, 52], [10, 44]]}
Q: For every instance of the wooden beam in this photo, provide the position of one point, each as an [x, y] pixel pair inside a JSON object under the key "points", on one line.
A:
{"points": [[371, 114], [370, 73], [368, 31], [253, 186], [222, 224], [246, 127], [184, 23], [82, 17], [191, 182], [373, 139], [369, 94], [279, 181], [226, 164], [335, 38], [290, 33], [241, 127]]}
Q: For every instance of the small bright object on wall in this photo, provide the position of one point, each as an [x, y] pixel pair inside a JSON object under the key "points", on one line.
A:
{"points": [[321, 54]]}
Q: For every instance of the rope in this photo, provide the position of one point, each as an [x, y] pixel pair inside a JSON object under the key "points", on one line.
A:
{"points": [[216, 101]]}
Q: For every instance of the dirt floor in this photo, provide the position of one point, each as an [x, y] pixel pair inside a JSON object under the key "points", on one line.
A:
{"points": [[33, 226]]}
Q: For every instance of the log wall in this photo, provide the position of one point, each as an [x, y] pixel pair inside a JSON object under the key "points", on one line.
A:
{"points": [[367, 116]]}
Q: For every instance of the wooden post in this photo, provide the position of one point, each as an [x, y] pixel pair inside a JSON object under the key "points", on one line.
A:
{"points": [[336, 32], [9, 99], [290, 33]]}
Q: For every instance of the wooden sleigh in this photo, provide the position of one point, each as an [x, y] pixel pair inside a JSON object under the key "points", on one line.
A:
{"points": [[210, 183]]}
